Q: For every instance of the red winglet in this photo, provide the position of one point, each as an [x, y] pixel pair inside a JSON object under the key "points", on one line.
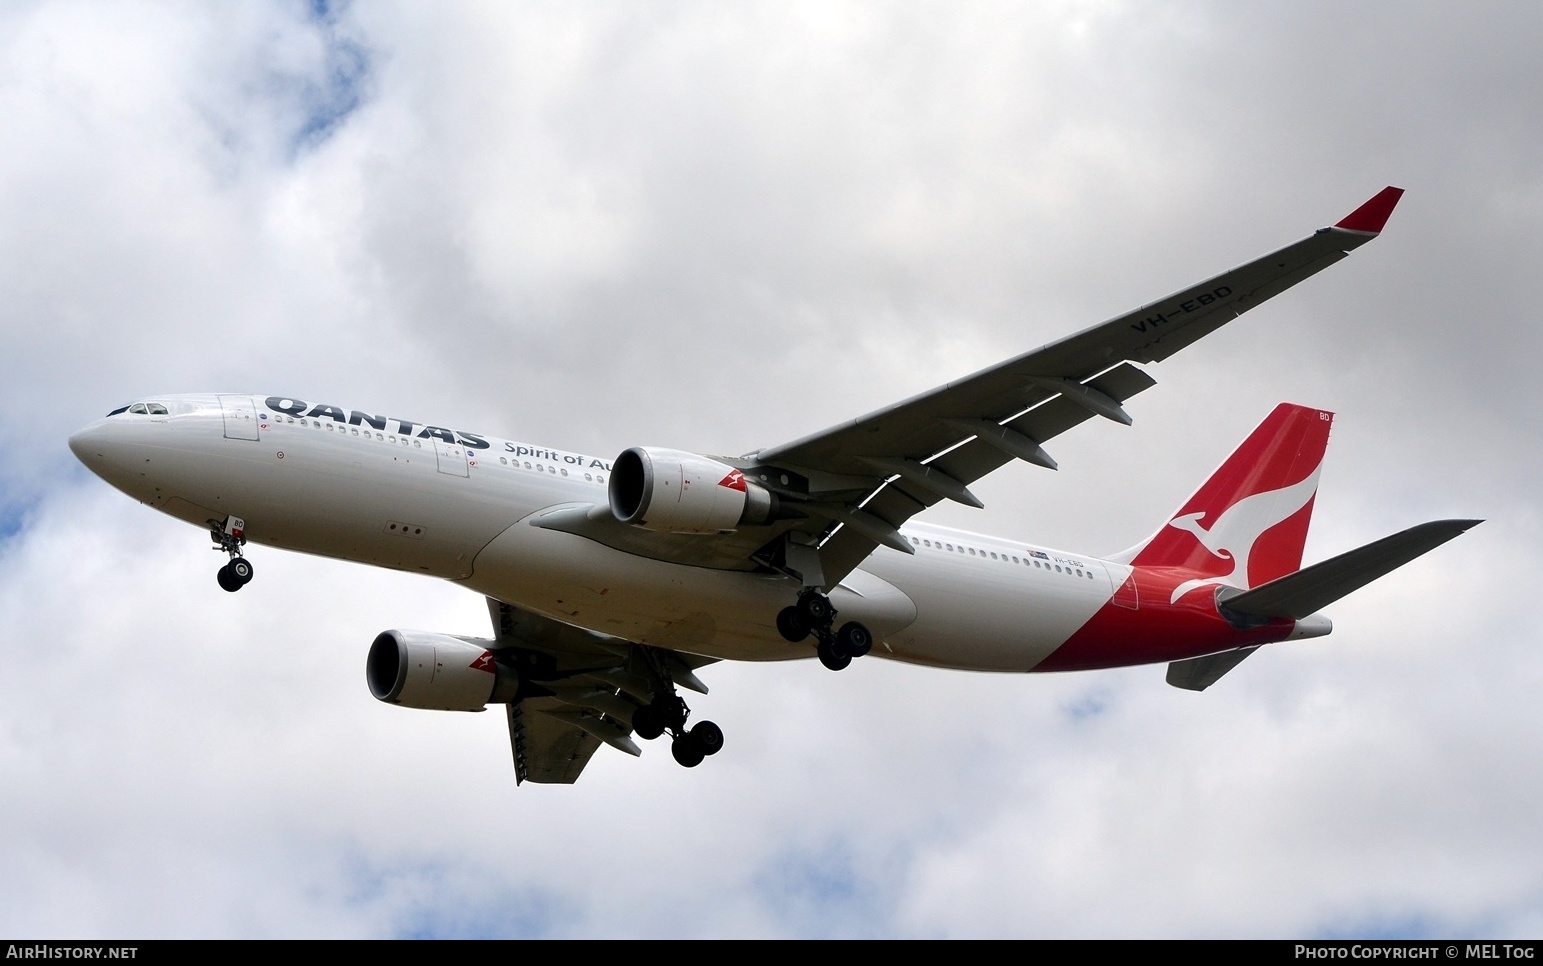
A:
{"points": [[1371, 216]]}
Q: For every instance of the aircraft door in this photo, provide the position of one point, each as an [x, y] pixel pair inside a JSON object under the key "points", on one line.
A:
{"points": [[452, 458], [240, 417]]}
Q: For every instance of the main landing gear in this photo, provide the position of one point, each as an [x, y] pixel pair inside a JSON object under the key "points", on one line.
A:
{"points": [[813, 614], [667, 712], [229, 535]]}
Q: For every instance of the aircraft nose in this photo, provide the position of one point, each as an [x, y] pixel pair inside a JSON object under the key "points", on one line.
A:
{"points": [[104, 451], [86, 443]]}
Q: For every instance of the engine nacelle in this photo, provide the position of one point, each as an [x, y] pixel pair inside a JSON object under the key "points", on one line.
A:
{"points": [[437, 672], [676, 492]]}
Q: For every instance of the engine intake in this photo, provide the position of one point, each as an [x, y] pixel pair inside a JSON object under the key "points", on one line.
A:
{"points": [[437, 672], [676, 492]]}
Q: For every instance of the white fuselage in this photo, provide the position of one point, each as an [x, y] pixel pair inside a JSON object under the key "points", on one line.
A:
{"points": [[462, 507]]}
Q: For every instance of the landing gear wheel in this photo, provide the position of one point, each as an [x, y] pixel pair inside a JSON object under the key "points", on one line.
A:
{"points": [[646, 723], [815, 609], [791, 625], [241, 569], [709, 736], [688, 749], [228, 581], [832, 656], [854, 639]]}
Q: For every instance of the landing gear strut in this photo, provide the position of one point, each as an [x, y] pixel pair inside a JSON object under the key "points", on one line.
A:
{"points": [[229, 535], [667, 712], [813, 614]]}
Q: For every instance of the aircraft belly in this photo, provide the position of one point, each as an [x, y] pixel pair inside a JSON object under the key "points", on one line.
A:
{"points": [[983, 615], [715, 613]]}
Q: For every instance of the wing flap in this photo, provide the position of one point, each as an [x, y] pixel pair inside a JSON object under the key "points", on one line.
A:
{"points": [[578, 689], [546, 750], [899, 500]]}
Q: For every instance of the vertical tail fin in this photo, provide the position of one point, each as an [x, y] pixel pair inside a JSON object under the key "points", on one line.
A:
{"points": [[1247, 524]]}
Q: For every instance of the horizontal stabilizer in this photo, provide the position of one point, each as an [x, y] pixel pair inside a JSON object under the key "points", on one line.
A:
{"points": [[1312, 588], [1199, 673]]}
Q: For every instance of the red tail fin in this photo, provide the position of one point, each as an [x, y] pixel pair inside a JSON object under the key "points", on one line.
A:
{"points": [[1248, 522]]}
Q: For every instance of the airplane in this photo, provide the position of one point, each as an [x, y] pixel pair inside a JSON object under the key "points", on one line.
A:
{"points": [[612, 582]]}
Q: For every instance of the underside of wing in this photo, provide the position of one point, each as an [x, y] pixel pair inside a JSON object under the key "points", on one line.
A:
{"points": [[578, 690]]}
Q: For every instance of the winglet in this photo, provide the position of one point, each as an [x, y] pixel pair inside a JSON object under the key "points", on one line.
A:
{"points": [[1371, 216]]}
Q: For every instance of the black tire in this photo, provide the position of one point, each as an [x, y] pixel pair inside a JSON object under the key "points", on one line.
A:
{"points": [[791, 626], [833, 657], [241, 569], [709, 735], [687, 749], [815, 609], [646, 723], [227, 580], [854, 639]]}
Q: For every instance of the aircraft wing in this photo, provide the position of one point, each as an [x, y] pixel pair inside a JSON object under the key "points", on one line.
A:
{"points": [[578, 690], [847, 490], [868, 476]]}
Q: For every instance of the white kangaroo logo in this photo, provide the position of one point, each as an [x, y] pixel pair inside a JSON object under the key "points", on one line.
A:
{"points": [[1233, 535]]}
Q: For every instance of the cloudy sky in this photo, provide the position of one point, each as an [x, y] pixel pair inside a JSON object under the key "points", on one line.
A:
{"points": [[720, 227]]}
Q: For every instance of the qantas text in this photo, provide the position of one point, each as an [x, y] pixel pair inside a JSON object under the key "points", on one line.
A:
{"points": [[406, 427]]}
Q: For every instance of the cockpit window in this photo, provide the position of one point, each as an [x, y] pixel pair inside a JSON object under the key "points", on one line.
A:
{"points": [[143, 409]]}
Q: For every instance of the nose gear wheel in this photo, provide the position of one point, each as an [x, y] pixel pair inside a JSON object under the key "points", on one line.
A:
{"points": [[229, 535]]}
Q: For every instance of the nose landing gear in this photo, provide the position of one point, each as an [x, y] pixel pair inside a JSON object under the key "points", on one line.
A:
{"points": [[813, 614], [229, 535]]}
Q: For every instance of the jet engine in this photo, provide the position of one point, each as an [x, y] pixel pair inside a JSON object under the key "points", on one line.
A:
{"points": [[675, 492], [437, 672]]}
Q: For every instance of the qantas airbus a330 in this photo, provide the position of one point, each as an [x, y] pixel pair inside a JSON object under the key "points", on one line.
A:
{"points": [[611, 582]]}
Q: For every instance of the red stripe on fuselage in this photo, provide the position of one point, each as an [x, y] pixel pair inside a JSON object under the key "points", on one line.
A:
{"points": [[1155, 631]]}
